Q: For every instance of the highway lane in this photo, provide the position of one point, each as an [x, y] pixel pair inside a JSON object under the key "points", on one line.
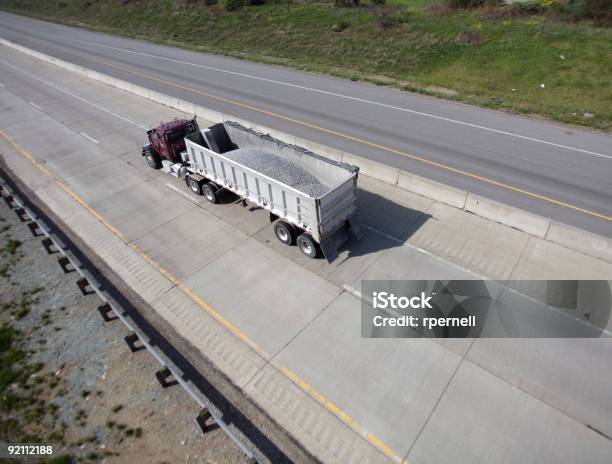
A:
{"points": [[559, 162]]}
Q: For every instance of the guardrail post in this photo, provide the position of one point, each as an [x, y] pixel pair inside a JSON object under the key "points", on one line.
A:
{"points": [[201, 419], [10, 201], [35, 229], [105, 310], [21, 214], [131, 339], [163, 375], [49, 246], [64, 262], [83, 283]]}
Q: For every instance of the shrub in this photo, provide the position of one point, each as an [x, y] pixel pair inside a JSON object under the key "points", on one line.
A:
{"points": [[346, 3], [530, 6], [233, 5], [379, 2], [464, 4], [340, 26], [600, 10]]}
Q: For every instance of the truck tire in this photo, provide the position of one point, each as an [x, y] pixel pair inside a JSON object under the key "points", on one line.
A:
{"points": [[209, 191], [285, 232], [153, 159], [194, 185], [307, 245]]}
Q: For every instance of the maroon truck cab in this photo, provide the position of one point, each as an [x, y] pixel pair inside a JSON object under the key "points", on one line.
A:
{"points": [[167, 141]]}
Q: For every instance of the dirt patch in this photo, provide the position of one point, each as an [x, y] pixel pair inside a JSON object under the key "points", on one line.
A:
{"points": [[470, 37]]}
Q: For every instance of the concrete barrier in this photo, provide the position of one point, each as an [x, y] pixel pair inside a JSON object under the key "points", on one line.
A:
{"points": [[580, 240], [373, 169], [315, 147], [432, 189], [508, 215], [585, 242]]}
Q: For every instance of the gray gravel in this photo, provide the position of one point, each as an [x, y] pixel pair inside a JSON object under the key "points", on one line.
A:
{"points": [[98, 402], [279, 169]]}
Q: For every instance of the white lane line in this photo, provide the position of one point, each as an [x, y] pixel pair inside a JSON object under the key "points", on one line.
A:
{"points": [[180, 192], [339, 95], [89, 138], [35, 105], [56, 87]]}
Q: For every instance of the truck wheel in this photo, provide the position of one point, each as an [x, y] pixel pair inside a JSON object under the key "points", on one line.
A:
{"points": [[307, 245], [153, 159], [210, 192], [194, 185], [284, 232]]}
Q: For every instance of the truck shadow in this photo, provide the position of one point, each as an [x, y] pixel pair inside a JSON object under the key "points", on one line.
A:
{"points": [[387, 224]]}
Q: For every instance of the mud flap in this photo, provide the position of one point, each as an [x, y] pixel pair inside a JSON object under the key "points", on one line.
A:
{"points": [[331, 245], [329, 249]]}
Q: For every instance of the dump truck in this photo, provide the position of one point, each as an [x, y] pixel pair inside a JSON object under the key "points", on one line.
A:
{"points": [[312, 200]]}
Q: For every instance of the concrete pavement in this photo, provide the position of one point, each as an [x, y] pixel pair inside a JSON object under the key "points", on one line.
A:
{"points": [[286, 329]]}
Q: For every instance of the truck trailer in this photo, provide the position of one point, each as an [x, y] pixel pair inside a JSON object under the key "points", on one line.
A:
{"points": [[312, 200]]}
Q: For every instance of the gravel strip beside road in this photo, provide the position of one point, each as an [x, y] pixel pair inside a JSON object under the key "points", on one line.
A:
{"points": [[69, 379]]}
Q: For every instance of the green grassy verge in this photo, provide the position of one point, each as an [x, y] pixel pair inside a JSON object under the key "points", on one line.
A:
{"points": [[528, 64]]}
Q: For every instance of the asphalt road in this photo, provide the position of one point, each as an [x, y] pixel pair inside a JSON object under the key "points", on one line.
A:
{"points": [[540, 164]]}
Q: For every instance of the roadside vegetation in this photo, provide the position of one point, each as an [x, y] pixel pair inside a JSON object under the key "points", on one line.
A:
{"points": [[543, 57]]}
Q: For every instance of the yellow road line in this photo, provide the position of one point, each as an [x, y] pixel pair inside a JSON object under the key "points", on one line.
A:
{"points": [[333, 408], [320, 398], [353, 139]]}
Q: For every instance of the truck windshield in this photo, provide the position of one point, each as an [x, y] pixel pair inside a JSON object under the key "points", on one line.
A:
{"points": [[180, 134]]}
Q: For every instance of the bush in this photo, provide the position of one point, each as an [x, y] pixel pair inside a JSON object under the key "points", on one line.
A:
{"points": [[340, 26], [530, 6], [346, 3], [600, 10], [233, 5], [379, 2], [464, 4]]}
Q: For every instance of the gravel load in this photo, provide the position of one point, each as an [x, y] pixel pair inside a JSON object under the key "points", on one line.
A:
{"points": [[278, 169]]}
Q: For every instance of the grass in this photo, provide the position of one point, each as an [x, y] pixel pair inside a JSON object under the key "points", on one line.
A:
{"points": [[11, 246], [415, 51]]}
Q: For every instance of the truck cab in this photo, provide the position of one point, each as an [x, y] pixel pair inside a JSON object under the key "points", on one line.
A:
{"points": [[167, 141]]}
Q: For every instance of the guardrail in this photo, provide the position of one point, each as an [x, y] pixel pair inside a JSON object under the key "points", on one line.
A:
{"points": [[88, 284]]}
